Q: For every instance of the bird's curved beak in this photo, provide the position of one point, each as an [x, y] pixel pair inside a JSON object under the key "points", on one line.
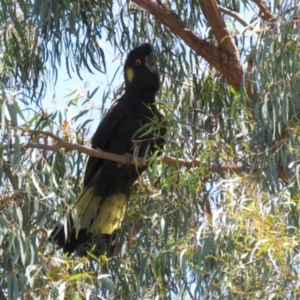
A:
{"points": [[151, 63]]}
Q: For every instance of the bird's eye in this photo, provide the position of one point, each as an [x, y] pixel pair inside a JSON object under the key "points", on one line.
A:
{"points": [[138, 62]]}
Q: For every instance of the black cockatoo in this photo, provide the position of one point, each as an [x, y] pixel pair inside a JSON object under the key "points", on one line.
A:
{"points": [[99, 211]]}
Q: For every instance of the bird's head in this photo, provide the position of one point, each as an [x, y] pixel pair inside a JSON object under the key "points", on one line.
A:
{"points": [[140, 70]]}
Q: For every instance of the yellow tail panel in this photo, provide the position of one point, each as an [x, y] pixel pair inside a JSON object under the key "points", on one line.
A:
{"points": [[107, 217]]}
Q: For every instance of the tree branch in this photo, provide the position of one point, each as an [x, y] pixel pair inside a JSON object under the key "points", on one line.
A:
{"points": [[235, 15], [265, 13], [218, 26], [122, 159], [60, 143], [227, 65]]}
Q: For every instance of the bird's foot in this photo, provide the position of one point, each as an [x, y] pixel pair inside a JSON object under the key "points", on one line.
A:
{"points": [[129, 158]]}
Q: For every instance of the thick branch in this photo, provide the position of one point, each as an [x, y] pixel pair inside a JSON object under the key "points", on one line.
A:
{"points": [[218, 26], [226, 64]]}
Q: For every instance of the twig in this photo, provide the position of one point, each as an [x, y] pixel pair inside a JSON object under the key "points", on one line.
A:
{"points": [[131, 235], [265, 13], [173, 161], [187, 287], [235, 16]]}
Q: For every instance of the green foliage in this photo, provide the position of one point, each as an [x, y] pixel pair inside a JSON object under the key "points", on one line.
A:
{"points": [[170, 246]]}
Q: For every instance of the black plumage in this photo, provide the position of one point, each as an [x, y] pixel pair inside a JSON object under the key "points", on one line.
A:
{"points": [[99, 210]]}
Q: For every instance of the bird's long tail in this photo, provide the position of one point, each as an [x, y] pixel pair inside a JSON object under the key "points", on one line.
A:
{"points": [[92, 225]]}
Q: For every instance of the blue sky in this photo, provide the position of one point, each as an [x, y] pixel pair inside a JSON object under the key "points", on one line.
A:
{"points": [[57, 93]]}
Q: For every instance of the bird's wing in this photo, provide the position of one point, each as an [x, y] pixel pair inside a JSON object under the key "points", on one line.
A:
{"points": [[102, 135]]}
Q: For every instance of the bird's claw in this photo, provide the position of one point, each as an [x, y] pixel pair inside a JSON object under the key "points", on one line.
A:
{"points": [[129, 158]]}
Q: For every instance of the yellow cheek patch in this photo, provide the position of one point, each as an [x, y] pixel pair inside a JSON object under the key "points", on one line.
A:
{"points": [[111, 212], [129, 74]]}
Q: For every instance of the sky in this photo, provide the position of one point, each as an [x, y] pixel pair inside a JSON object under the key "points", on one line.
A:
{"points": [[56, 95]]}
